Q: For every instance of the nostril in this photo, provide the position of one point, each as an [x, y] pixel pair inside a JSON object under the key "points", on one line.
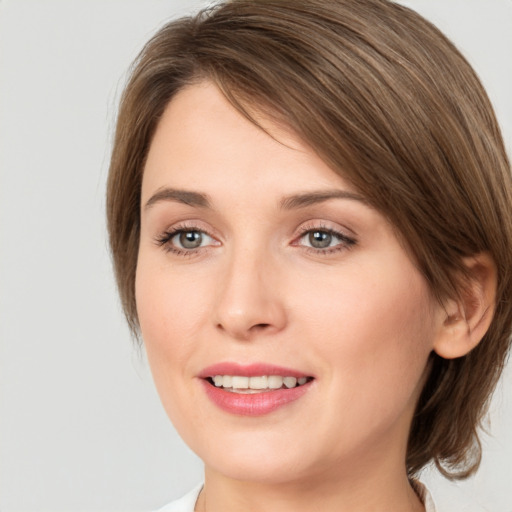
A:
{"points": [[259, 327]]}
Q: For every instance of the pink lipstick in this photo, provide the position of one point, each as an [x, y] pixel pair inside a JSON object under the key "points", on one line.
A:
{"points": [[255, 389]]}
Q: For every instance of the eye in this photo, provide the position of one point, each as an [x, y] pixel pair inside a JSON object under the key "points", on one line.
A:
{"points": [[325, 240], [185, 240], [190, 239], [320, 239]]}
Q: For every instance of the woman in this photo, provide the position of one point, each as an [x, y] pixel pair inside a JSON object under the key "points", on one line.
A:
{"points": [[309, 207]]}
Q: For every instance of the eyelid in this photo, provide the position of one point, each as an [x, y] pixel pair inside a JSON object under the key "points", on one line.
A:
{"points": [[323, 225], [163, 239], [346, 240], [191, 225]]}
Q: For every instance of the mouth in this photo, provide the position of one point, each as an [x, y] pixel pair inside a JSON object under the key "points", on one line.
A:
{"points": [[253, 390], [256, 384]]}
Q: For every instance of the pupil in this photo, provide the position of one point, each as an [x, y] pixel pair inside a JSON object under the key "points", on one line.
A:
{"points": [[320, 239], [191, 239]]}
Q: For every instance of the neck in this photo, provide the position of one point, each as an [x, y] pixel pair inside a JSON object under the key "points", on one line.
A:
{"points": [[363, 489]]}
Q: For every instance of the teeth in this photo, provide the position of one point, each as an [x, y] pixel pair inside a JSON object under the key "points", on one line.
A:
{"points": [[290, 382], [238, 382], [275, 382], [258, 382]]}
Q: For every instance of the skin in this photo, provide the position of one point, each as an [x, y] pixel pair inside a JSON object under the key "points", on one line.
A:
{"points": [[357, 316]]}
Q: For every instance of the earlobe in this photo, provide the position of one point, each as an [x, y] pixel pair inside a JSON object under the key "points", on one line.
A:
{"points": [[466, 319]]}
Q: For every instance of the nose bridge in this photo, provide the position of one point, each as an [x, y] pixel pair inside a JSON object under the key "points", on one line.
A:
{"points": [[249, 300]]}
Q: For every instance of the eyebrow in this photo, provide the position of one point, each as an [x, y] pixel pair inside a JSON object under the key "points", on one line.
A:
{"points": [[311, 198], [179, 196], [291, 202]]}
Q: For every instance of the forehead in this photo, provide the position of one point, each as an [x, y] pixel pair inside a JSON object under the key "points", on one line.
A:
{"points": [[203, 142]]}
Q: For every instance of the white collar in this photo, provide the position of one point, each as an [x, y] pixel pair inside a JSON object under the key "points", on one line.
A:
{"points": [[424, 495]]}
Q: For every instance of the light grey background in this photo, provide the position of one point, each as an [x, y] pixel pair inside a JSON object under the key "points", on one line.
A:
{"points": [[81, 427]]}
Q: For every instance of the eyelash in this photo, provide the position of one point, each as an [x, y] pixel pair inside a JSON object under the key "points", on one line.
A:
{"points": [[346, 242], [164, 240]]}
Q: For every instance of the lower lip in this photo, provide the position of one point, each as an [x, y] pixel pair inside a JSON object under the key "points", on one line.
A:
{"points": [[253, 404]]}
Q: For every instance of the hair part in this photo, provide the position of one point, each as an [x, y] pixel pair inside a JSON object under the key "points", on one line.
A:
{"points": [[392, 106]]}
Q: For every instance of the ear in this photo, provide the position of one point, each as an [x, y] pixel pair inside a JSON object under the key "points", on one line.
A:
{"points": [[465, 321]]}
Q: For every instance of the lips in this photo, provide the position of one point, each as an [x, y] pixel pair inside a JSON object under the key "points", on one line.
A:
{"points": [[253, 390], [250, 370]]}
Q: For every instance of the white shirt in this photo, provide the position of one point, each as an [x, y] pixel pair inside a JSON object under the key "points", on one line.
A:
{"points": [[188, 502]]}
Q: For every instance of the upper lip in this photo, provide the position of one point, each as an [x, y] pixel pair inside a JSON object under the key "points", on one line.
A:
{"points": [[249, 370]]}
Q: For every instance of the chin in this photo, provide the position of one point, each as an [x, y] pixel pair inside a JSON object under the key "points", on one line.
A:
{"points": [[264, 458], [276, 470]]}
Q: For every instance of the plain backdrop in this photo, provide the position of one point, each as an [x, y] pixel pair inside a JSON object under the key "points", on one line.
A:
{"points": [[81, 427]]}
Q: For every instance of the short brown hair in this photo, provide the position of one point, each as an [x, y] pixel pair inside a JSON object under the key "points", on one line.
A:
{"points": [[390, 104]]}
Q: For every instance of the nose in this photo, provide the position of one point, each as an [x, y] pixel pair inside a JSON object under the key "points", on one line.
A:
{"points": [[250, 300]]}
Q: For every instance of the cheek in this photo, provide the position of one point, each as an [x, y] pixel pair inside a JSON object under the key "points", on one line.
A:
{"points": [[375, 330], [171, 312], [170, 307]]}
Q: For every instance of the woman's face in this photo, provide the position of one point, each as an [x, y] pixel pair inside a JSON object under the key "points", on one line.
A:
{"points": [[257, 260]]}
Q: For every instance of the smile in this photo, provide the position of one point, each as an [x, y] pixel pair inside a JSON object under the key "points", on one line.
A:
{"points": [[256, 384], [255, 389]]}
